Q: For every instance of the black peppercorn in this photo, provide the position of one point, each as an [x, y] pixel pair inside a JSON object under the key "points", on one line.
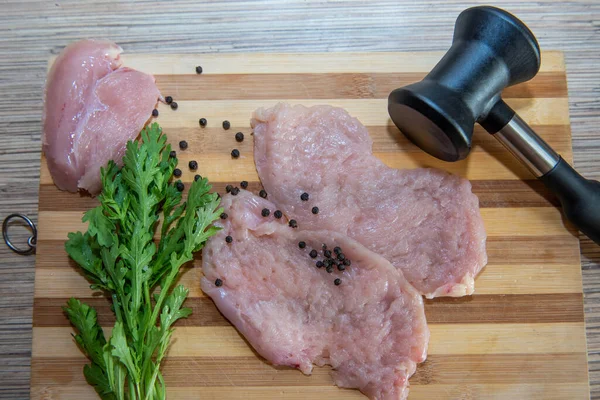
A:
{"points": [[341, 267], [193, 165], [226, 125], [155, 113], [337, 282], [263, 194], [235, 153], [235, 191], [202, 121], [218, 282], [304, 196], [198, 69], [228, 239], [329, 269], [183, 145], [327, 253], [239, 137], [244, 184], [337, 250], [197, 177], [341, 256], [278, 214], [347, 262], [180, 186], [302, 244], [228, 188], [265, 212], [223, 215], [174, 106], [315, 210], [177, 172], [173, 154], [168, 99], [319, 264], [293, 223], [313, 254]]}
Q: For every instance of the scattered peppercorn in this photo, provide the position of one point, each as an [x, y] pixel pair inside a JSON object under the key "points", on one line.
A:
{"points": [[228, 239], [239, 137], [337, 282], [155, 113], [337, 250], [177, 172], [173, 154], [304, 196], [313, 254], [278, 214], [328, 262], [265, 212], [347, 262], [327, 253], [183, 145], [263, 194], [324, 246], [193, 165], [218, 282], [341, 256], [293, 223], [244, 184], [315, 210], [174, 105], [228, 188], [319, 264], [198, 69], [235, 191], [180, 186], [341, 267], [168, 99], [226, 125], [329, 269], [223, 215], [302, 244], [197, 177], [235, 153], [202, 121]]}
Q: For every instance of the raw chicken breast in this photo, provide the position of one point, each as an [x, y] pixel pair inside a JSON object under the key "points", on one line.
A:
{"points": [[426, 222], [92, 107], [371, 328]]}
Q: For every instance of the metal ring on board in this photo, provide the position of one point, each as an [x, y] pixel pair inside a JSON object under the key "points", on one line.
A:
{"points": [[31, 242]]}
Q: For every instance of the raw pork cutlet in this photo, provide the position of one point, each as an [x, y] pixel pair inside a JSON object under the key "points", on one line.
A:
{"points": [[426, 222], [371, 328], [92, 107]]}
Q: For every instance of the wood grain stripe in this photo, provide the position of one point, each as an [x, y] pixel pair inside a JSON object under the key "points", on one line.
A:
{"points": [[494, 279], [524, 308], [370, 112], [530, 221], [270, 63], [559, 250], [252, 371], [446, 339], [325, 86], [491, 194], [546, 391]]}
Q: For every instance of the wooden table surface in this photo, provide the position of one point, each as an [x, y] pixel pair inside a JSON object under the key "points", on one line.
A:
{"points": [[32, 31]]}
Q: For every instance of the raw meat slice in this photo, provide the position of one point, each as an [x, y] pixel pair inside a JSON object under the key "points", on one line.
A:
{"points": [[92, 107], [371, 328], [426, 222]]}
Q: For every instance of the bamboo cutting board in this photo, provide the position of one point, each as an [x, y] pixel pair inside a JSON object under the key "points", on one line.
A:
{"points": [[521, 336]]}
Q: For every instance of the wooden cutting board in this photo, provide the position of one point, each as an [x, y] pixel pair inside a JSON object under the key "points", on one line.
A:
{"points": [[521, 336]]}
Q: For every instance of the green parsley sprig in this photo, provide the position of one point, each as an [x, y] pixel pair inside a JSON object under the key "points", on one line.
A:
{"points": [[118, 255]]}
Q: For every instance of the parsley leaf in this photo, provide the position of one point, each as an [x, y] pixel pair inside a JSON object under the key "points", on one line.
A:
{"points": [[118, 255]]}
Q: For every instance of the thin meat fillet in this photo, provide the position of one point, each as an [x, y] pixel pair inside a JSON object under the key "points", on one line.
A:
{"points": [[92, 107], [371, 328], [426, 222]]}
